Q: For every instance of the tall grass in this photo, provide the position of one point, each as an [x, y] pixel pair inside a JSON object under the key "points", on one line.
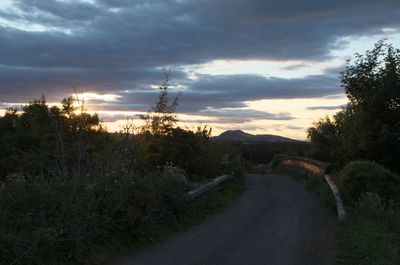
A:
{"points": [[371, 234], [49, 222]]}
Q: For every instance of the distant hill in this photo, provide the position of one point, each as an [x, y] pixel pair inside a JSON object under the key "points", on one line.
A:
{"points": [[243, 137]]}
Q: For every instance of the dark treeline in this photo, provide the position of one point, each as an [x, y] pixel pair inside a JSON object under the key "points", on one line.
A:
{"points": [[263, 153], [40, 140], [66, 142], [69, 188]]}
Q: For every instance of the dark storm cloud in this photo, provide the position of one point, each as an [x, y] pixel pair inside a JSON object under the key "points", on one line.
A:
{"points": [[233, 116], [231, 91], [58, 82], [253, 87], [186, 32], [113, 46], [60, 9]]}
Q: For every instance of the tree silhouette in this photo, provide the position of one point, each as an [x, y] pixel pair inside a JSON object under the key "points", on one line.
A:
{"points": [[161, 118], [369, 127]]}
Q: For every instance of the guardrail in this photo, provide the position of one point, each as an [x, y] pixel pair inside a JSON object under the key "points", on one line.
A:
{"points": [[317, 170], [206, 187]]}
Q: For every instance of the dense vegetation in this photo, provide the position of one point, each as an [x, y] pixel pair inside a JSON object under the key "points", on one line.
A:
{"points": [[69, 188], [369, 127], [363, 142], [360, 177], [371, 236], [263, 153]]}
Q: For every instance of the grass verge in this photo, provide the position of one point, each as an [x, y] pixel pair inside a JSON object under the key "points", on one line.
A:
{"points": [[362, 241]]}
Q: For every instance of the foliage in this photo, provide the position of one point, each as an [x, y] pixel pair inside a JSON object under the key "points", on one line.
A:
{"points": [[50, 141], [363, 241], [63, 220], [372, 82], [190, 150], [324, 139], [277, 159], [371, 236], [360, 177], [369, 127], [67, 222], [263, 153], [370, 205], [161, 118], [161, 142], [67, 141], [69, 188]]}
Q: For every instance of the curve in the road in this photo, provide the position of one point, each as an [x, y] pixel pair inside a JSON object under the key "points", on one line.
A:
{"points": [[276, 221]]}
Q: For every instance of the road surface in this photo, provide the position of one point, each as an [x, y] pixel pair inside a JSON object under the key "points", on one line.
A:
{"points": [[276, 221]]}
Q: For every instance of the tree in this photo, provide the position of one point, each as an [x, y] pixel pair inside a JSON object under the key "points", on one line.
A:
{"points": [[372, 82], [369, 127], [324, 137], [161, 118], [43, 140]]}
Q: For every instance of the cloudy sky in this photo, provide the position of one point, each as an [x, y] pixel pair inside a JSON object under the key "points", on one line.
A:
{"points": [[263, 66]]}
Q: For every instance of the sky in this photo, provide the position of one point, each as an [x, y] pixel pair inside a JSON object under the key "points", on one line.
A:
{"points": [[262, 66]]}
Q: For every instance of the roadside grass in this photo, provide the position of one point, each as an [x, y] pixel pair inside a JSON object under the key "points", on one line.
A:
{"points": [[189, 213], [361, 239]]}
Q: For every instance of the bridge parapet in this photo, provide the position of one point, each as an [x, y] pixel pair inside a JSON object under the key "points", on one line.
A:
{"points": [[193, 194], [317, 171]]}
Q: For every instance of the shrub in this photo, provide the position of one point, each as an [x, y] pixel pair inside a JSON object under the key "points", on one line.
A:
{"points": [[370, 205], [360, 177], [192, 151], [67, 221], [373, 207], [391, 217], [277, 159]]}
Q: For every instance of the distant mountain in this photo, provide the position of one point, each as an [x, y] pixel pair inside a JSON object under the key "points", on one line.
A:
{"points": [[243, 137]]}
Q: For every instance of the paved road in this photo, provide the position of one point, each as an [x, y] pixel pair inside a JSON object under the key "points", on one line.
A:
{"points": [[276, 221]]}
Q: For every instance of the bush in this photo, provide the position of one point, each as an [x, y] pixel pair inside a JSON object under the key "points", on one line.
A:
{"points": [[370, 205], [192, 151], [368, 127], [360, 177], [69, 188], [67, 221], [363, 241], [277, 159], [371, 234], [374, 208]]}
